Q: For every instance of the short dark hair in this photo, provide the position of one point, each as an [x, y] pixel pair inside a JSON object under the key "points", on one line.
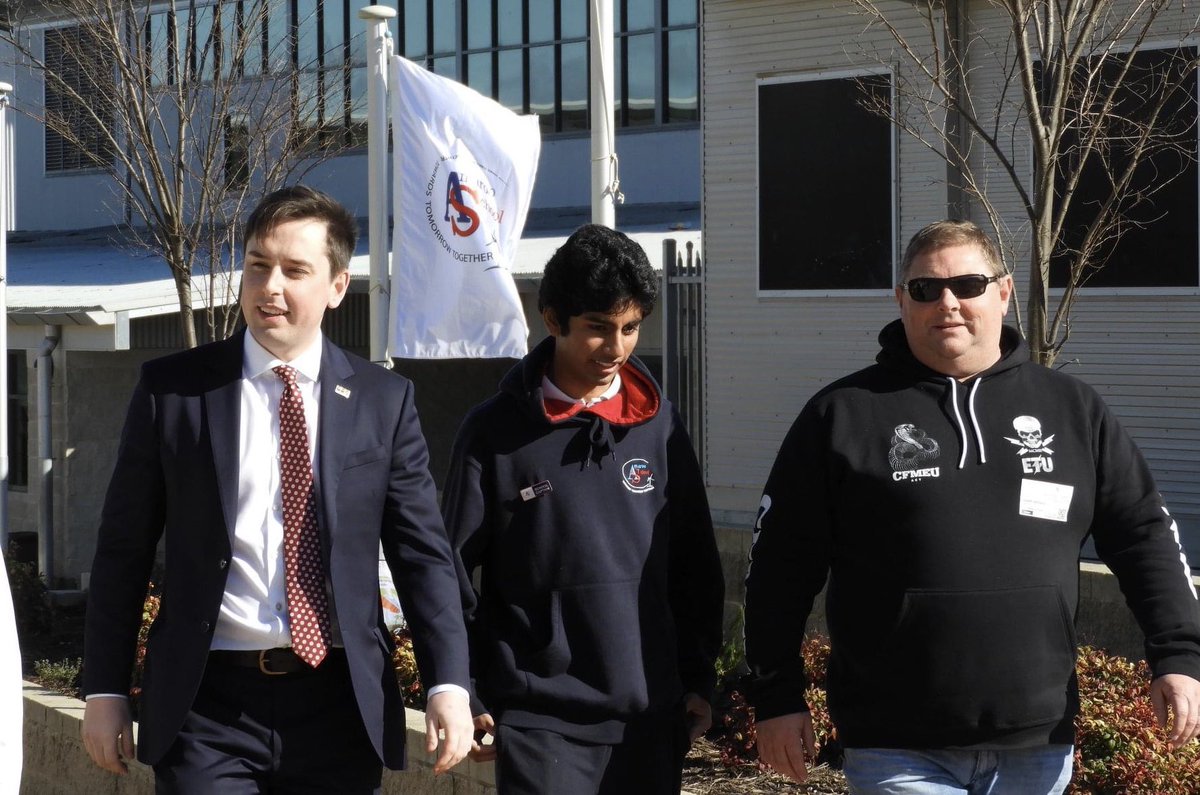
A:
{"points": [[944, 234], [597, 270], [298, 203]]}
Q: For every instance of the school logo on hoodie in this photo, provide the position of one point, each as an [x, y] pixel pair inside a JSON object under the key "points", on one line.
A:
{"points": [[911, 453], [1033, 445], [637, 475]]}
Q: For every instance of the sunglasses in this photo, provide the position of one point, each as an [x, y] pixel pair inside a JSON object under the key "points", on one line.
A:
{"points": [[926, 289]]}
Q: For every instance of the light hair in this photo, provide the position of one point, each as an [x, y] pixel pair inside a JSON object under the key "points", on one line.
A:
{"points": [[944, 234]]}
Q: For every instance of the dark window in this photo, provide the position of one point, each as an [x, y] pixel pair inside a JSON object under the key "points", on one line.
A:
{"points": [[18, 421], [78, 109], [825, 178], [1158, 247]]}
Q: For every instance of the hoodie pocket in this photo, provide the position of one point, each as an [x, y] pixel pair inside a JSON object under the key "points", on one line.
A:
{"points": [[536, 638], [602, 648], [998, 659]]}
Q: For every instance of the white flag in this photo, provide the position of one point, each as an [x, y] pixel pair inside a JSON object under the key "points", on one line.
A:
{"points": [[463, 175]]}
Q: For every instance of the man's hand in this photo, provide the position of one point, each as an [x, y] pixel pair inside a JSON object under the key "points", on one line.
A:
{"points": [[484, 727], [1180, 693], [448, 713], [785, 742], [108, 732], [699, 716]]}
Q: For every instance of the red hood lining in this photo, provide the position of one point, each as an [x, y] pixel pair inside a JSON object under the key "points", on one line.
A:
{"points": [[636, 401]]}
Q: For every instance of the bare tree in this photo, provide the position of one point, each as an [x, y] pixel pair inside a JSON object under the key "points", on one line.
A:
{"points": [[1056, 121], [194, 110]]}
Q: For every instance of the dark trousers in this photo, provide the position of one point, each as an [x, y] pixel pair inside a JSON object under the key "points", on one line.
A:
{"points": [[648, 761], [249, 733]]}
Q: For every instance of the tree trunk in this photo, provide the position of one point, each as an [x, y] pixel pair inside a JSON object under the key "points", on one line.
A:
{"points": [[187, 320]]}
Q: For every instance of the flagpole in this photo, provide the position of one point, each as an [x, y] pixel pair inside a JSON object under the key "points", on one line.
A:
{"points": [[5, 210], [379, 50], [600, 53]]}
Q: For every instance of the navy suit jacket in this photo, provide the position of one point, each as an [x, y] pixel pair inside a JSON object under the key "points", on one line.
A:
{"points": [[176, 475]]}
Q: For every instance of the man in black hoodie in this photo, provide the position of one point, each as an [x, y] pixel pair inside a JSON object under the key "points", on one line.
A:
{"points": [[576, 495], [945, 492]]}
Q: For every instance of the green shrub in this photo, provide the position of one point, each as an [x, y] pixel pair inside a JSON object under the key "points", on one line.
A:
{"points": [[405, 662], [1119, 747], [733, 730], [150, 607], [31, 600], [61, 676]]}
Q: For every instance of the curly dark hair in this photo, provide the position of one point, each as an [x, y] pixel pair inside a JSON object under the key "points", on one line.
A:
{"points": [[300, 202], [597, 270]]}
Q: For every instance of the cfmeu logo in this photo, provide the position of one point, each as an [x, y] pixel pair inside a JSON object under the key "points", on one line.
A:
{"points": [[462, 217]]}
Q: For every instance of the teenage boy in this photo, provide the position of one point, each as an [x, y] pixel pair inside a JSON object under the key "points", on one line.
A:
{"points": [[576, 494]]}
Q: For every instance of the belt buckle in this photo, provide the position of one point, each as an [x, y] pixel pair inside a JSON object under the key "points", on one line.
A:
{"points": [[262, 664]]}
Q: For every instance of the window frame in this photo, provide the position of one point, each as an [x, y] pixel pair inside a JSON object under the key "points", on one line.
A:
{"points": [[1144, 291], [53, 102], [893, 183], [18, 420]]}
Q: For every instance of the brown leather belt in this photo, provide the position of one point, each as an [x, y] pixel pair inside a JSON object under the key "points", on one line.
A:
{"points": [[272, 662]]}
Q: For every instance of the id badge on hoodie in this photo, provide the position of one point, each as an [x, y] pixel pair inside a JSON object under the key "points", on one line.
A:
{"points": [[1043, 500]]}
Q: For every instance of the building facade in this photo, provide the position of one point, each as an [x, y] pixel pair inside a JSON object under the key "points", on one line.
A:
{"points": [[809, 198]]}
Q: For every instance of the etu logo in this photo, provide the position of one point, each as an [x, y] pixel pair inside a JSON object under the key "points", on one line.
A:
{"points": [[463, 220]]}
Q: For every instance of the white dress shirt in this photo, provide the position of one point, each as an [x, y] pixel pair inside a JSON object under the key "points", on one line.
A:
{"points": [[254, 610], [550, 390]]}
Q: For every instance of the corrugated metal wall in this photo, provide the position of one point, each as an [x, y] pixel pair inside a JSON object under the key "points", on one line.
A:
{"points": [[767, 355]]}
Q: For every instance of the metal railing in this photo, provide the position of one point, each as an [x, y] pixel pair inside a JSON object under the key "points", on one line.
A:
{"points": [[683, 336]]}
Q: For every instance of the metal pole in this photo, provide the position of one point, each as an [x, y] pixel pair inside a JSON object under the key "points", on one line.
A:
{"points": [[379, 51], [45, 367], [5, 175], [600, 52]]}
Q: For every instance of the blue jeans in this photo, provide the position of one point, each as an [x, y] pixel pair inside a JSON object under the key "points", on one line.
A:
{"points": [[1022, 771]]}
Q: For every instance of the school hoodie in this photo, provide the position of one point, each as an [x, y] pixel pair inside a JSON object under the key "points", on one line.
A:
{"points": [[600, 590], [948, 517]]}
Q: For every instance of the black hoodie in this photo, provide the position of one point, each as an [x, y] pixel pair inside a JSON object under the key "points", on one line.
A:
{"points": [[948, 516], [600, 588]]}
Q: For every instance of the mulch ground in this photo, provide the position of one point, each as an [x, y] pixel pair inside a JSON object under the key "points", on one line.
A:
{"points": [[705, 774]]}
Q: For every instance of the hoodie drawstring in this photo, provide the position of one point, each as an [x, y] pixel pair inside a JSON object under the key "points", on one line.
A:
{"points": [[975, 420], [962, 429], [600, 437]]}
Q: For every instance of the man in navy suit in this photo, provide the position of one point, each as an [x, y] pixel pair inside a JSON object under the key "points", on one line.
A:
{"points": [[249, 684]]}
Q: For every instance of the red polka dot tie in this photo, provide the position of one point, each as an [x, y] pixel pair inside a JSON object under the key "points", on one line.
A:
{"points": [[308, 606]]}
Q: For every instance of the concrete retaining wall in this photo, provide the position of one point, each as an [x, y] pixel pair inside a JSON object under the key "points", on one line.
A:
{"points": [[57, 764]]}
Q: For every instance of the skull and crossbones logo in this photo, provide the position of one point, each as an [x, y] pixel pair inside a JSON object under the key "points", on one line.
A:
{"points": [[1031, 440]]}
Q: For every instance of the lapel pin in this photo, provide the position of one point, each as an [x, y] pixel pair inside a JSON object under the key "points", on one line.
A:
{"points": [[342, 391]]}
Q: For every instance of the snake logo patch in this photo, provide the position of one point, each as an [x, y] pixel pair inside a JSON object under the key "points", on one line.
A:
{"points": [[912, 454]]}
